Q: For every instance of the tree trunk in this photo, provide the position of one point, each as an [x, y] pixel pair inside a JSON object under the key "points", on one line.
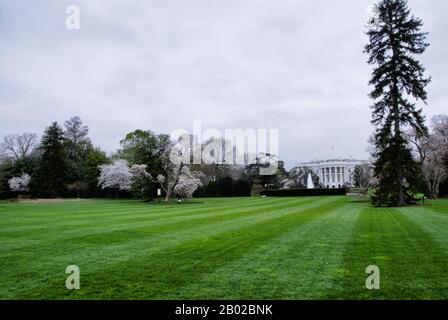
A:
{"points": [[396, 110], [429, 186]]}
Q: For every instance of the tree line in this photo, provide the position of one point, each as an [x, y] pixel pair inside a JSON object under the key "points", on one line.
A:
{"points": [[65, 163]]}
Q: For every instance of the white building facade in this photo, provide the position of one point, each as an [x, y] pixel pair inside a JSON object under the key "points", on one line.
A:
{"points": [[334, 173]]}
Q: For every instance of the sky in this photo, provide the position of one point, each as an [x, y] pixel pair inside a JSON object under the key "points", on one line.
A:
{"points": [[293, 65]]}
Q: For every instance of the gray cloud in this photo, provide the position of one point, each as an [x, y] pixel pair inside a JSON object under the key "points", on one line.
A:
{"points": [[293, 65]]}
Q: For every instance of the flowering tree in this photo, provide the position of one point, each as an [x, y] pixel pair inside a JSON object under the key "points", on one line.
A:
{"points": [[182, 185], [176, 171], [177, 178], [116, 176], [186, 186], [19, 184]]}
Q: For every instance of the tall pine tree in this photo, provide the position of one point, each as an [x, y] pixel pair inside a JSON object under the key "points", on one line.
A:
{"points": [[50, 176], [399, 82]]}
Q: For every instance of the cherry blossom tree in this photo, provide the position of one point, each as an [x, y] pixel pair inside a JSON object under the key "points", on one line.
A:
{"points": [[177, 170], [116, 176], [186, 186], [177, 177], [19, 184]]}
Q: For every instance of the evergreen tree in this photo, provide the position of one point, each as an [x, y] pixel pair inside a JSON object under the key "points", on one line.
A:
{"points": [[398, 80], [50, 175], [95, 158]]}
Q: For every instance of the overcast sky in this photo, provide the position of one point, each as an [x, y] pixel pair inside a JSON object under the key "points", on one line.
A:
{"points": [[292, 65]]}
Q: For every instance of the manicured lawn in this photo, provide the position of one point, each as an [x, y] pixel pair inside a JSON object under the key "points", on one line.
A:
{"points": [[248, 248]]}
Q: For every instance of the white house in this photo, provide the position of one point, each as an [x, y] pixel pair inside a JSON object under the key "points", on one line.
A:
{"points": [[334, 173]]}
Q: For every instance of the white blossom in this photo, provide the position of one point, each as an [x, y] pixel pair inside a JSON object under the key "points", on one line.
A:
{"points": [[19, 184], [139, 170], [161, 178], [116, 175], [186, 187]]}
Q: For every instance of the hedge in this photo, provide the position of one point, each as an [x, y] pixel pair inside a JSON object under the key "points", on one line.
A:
{"points": [[224, 187], [304, 192]]}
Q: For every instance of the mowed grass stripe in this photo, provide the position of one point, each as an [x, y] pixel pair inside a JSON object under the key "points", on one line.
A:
{"points": [[122, 231], [164, 275], [111, 248], [71, 222], [297, 248], [440, 206], [412, 265], [433, 222], [299, 264], [123, 261], [91, 212], [154, 236]]}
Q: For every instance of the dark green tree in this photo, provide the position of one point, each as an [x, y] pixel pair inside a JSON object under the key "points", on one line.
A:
{"points": [[226, 187], [242, 188], [267, 181], [95, 158], [144, 147], [398, 83], [49, 178]]}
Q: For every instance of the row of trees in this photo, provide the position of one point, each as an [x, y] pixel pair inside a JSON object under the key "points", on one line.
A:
{"points": [[64, 163]]}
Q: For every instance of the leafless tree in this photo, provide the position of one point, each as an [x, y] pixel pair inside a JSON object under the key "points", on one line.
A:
{"points": [[75, 131], [18, 146], [432, 153]]}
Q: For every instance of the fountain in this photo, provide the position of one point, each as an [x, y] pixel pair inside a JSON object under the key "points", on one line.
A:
{"points": [[310, 183]]}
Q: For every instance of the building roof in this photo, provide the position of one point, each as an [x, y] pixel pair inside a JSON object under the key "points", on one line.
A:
{"points": [[318, 162]]}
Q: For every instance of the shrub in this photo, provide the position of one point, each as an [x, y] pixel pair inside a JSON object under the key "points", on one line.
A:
{"points": [[304, 192]]}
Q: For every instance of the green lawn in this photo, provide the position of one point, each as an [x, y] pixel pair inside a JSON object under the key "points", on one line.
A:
{"points": [[248, 248]]}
